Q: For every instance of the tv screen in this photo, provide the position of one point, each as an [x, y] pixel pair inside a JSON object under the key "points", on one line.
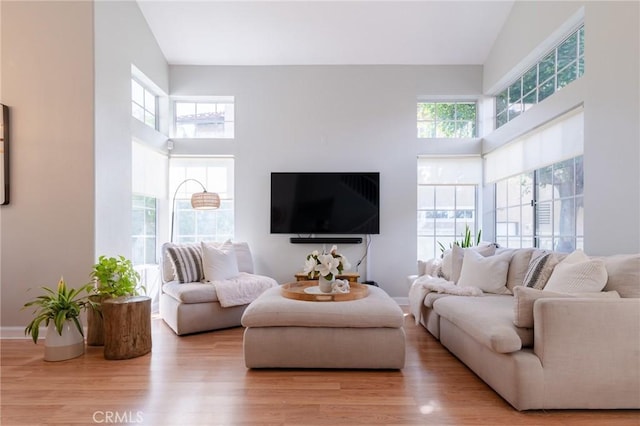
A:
{"points": [[325, 203]]}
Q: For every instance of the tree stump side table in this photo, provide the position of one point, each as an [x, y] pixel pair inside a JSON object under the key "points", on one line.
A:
{"points": [[127, 327]]}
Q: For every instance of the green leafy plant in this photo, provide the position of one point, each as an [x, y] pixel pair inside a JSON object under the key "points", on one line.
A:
{"points": [[58, 306], [467, 240], [114, 277]]}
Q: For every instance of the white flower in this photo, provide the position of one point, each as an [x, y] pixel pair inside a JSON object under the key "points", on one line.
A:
{"points": [[334, 249], [345, 262], [310, 265], [328, 266]]}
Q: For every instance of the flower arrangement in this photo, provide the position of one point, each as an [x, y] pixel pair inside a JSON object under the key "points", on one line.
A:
{"points": [[327, 265]]}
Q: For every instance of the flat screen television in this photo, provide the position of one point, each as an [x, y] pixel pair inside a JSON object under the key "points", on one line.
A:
{"points": [[325, 203]]}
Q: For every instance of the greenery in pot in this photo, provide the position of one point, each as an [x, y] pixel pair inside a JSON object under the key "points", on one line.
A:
{"points": [[115, 277], [58, 306], [466, 241]]}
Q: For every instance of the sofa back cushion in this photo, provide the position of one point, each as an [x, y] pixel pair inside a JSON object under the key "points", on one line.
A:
{"points": [[623, 274], [243, 256], [518, 266], [578, 273]]}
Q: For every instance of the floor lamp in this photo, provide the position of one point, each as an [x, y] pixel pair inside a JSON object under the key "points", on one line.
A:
{"points": [[199, 200]]}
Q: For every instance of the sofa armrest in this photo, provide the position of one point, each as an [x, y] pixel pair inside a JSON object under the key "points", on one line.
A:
{"points": [[587, 345]]}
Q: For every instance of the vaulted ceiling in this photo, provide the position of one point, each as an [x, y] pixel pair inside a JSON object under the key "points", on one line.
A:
{"points": [[301, 32]]}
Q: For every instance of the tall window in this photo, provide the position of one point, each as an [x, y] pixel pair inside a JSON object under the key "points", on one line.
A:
{"points": [[446, 119], [216, 174], [205, 119], [144, 234], [542, 209], [447, 201], [144, 104], [149, 171], [555, 70]]}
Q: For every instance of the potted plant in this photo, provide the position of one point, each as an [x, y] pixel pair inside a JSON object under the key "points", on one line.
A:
{"points": [[59, 310], [112, 277], [466, 241]]}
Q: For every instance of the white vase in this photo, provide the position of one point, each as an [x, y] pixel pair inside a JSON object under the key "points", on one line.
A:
{"points": [[326, 286], [66, 346]]}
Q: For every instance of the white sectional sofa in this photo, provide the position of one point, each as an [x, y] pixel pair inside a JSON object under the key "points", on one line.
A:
{"points": [[197, 292], [539, 348]]}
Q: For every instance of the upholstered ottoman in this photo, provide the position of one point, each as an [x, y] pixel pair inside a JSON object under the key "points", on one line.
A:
{"points": [[287, 333]]}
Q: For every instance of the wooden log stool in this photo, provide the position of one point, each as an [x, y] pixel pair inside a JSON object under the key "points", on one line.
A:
{"points": [[127, 327]]}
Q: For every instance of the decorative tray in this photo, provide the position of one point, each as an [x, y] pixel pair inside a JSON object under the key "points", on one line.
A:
{"points": [[309, 291]]}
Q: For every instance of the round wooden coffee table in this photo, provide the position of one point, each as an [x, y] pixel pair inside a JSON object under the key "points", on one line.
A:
{"points": [[296, 290]]}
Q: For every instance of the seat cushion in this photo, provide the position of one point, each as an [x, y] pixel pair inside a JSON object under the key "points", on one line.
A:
{"points": [[191, 292], [488, 319], [271, 309]]}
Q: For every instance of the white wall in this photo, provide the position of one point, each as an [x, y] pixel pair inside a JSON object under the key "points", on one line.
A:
{"points": [[327, 118], [47, 81], [610, 93], [122, 38]]}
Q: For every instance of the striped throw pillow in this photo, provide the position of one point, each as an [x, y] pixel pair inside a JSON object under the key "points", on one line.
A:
{"points": [[187, 263], [540, 269]]}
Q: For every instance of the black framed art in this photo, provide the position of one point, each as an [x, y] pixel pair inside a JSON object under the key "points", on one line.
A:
{"points": [[4, 152]]}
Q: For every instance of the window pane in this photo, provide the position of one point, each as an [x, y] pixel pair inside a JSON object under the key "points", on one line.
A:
{"points": [[501, 119], [567, 75], [544, 188], [515, 91], [466, 111], [568, 51], [137, 93], [425, 197], [445, 111], [563, 178], [547, 89], [137, 111], [501, 193], [579, 179], [465, 129], [149, 102], [515, 110], [426, 111], [465, 197], [547, 67], [426, 248], [150, 251], [446, 129], [185, 110], [581, 67], [426, 129], [529, 80], [581, 41], [529, 100], [445, 197], [150, 119], [501, 101]]}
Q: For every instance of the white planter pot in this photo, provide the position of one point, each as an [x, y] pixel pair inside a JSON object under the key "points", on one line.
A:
{"points": [[66, 346], [326, 286]]}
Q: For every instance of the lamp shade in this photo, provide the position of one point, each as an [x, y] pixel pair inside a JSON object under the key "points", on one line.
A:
{"points": [[205, 200]]}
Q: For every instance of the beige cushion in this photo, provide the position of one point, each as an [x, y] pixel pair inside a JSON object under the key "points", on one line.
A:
{"points": [[271, 309], [191, 292], [487, 319], [540, 269], [219, 261], [486, 273], [518, 266], [577, 273], [524, 298], [457, 258], [623, 274]]}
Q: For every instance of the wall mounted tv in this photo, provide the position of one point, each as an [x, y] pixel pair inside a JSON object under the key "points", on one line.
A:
{"points": [[325, 203]]}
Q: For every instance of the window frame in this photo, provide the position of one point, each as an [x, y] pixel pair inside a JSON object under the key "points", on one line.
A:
{"points": [[445, 239], [144, 236], [228, 123], [151, 110], [200, 169], [549, 85], [455, 121]]}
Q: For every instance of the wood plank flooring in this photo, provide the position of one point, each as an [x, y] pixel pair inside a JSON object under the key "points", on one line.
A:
{"points": [[201, 380]]}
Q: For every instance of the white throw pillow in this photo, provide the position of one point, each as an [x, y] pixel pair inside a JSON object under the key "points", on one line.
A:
{"points": [[578, 274], [219, 263], [457, 257], [489, 274]]}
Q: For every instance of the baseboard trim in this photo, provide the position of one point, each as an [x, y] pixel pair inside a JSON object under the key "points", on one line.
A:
{"points": [[402, 301], [18, 333]]}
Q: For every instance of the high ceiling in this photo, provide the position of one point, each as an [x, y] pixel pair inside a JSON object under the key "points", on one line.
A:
{"points": [[210, 32]]}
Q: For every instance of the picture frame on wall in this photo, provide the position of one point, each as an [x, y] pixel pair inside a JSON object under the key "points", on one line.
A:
{"points": [[4, 153]]}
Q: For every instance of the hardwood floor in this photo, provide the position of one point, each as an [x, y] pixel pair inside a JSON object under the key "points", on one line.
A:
{"points": [[201, 380]]}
